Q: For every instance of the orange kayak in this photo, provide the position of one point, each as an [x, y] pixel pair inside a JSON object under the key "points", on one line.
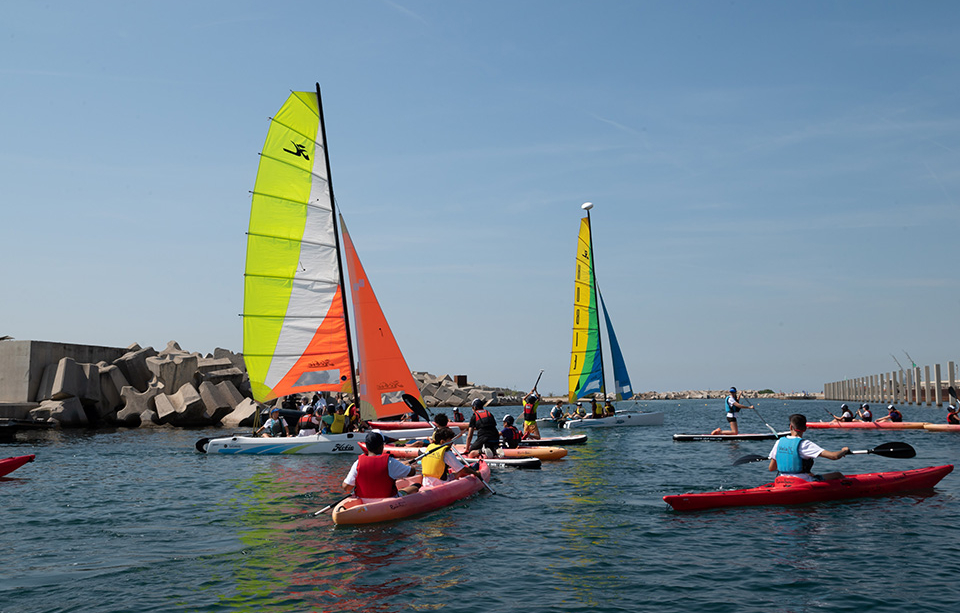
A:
{"points": [[355, 511], [942, 427], [868, 425]]}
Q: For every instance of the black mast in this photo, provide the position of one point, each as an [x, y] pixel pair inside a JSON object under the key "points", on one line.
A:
{"points": [[336, 240]]}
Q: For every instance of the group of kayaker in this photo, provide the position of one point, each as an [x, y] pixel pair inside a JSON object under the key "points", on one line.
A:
{"points": [[864, 414], [375, 474]]}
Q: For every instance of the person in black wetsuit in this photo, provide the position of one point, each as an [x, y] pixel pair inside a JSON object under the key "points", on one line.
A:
{"points": [[483, 437]]}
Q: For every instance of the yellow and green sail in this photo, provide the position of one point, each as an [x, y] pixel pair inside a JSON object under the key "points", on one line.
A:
{"points": [[294, 331], [586, 361]]}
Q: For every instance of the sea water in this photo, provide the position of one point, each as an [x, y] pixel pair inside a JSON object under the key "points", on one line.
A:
{"points": [[137, 520]]}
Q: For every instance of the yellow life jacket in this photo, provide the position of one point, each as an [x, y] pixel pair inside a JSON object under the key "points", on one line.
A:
{"points": [[433, 463], [338, 424]]}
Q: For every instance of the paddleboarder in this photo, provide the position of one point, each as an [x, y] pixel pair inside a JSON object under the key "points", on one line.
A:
{"points": [[484, 425], [793, 455], [733, 406], [530, 403]]}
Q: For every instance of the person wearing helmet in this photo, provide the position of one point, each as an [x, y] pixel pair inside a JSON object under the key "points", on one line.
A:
{"points": [[530, 403], [893, 415], [482, 434], [846, 414], [275, 426], [952, 415], [510, 435], [732, 406], [864, 413]]}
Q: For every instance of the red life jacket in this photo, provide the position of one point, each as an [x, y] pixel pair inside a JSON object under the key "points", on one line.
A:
{"points": [[373, 480], [306, 423]]}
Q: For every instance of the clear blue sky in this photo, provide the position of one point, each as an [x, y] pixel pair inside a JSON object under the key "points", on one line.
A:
{"points": [[776, 184]]}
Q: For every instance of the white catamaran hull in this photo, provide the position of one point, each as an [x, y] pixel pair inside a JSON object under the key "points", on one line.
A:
{"points": [[620, 419], [316, 444]]}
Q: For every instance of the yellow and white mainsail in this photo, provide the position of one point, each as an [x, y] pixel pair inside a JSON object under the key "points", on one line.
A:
{"points": [[295, 334]]}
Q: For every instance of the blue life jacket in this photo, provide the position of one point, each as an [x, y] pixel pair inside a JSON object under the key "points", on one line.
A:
{"points": [[728, 405], [788, 457]]}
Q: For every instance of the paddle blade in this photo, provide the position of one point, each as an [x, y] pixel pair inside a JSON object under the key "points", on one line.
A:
{"points": [[895, 450], [952, 392], [750, 458], [414, 403]]}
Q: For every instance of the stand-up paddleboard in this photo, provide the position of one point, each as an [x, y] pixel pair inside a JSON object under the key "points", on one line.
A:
{"points": [[768, 436], [575, 439]]}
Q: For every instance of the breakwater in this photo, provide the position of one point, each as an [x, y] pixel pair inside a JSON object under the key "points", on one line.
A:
{"points": [[906, 386]]}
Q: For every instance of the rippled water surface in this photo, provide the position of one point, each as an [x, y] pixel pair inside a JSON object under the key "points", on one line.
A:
{"points": [[138, 521]]}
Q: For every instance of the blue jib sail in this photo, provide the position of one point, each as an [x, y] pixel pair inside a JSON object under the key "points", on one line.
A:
{"points": [[621, 380]]}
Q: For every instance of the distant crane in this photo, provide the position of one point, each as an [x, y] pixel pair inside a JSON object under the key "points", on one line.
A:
{"points": [[897, 361], [909, 358]]}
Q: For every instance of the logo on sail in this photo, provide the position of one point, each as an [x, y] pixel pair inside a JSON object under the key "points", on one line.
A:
{"points": [[301, 150]]}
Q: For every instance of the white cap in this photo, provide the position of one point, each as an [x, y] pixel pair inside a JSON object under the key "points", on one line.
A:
{"points": [[586, 206]]}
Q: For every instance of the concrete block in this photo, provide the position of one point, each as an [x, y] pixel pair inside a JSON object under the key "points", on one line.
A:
{"points": [[230, 393], [236, 359], [215, 401], [242, 416], [149, 419], [69, 381], [111, 382], [184, 408], [135, 403], [231, 374], [68, 413], [133, 365], [173, 370], [90, 393]]}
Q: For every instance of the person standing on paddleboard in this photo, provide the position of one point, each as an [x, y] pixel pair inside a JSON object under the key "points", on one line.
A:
{"points": [[374, 475], [530, 403], [484, 425], [793, 455], [733, 406]]}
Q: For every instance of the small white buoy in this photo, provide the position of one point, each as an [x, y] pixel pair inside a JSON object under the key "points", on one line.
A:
{"points": [[586, 206]]}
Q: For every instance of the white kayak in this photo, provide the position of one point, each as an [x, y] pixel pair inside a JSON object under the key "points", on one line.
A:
{"points": [[614, 421], [348, 442]]}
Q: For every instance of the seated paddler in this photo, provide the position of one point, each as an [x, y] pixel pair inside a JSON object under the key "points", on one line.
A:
{"points": [[374, 474], [440, 464], [793, 455]]}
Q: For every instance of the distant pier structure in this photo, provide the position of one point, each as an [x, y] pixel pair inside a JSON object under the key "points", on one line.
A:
{"points": [[906, 386]]}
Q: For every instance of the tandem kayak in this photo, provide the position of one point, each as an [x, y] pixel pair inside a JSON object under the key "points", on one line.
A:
{"points": [[787, 490], [8, 465], [544, 453], [353, 510], [768, 436], [868, 425], [942, 427]]}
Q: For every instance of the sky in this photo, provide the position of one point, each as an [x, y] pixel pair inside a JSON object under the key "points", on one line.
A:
{"points": [[775, 185]]}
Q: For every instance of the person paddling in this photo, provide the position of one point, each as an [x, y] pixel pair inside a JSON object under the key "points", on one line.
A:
{"points": [[374, 474], [793, 455], [952, 415], [440, 464], [733, 406], [893, 415], [845, 413], [530, 403], [864, 414]]}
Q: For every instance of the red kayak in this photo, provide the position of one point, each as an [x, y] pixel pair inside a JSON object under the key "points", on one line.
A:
{"points": [[787, 490], [8, 465], [412, 425]]}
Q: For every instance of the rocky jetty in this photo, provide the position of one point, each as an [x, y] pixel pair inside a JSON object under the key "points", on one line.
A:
{"points": [[447, 391], [145, 387]]}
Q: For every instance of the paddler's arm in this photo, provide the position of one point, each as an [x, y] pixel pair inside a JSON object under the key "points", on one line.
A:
{"points": [[469, 438], [835, 455]]}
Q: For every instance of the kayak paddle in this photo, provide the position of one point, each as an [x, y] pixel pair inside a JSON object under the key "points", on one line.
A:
{"points": [[331, 505], [764, 420], [887, 450]]}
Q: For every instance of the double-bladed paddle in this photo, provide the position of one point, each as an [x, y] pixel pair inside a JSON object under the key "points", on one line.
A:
{"points": [[887, 450], [414, 403]]}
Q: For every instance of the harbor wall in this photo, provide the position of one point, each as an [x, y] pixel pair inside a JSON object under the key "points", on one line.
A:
{"points": [[916, 386], [22, 364]]}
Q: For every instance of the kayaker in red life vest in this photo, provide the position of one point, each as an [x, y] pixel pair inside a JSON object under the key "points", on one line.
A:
{"points": [[457, 415], [510, 435], [375, 474], [793, 455], [893, 415], [484, 425], [952, 415], [733, 406], [864, 414], [308, 424]]}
